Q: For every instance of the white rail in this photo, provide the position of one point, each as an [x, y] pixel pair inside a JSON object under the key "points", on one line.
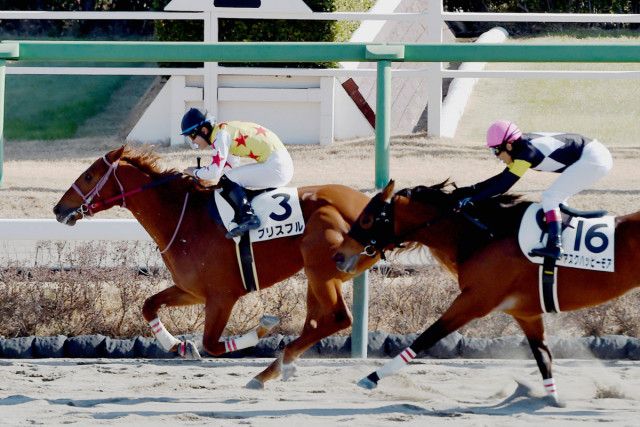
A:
{"points": [[237, 13], [101, 16], [94, 229], [620, 18]]}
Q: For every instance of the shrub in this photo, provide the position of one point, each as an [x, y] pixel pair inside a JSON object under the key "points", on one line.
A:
{"points": [[98, 289]]}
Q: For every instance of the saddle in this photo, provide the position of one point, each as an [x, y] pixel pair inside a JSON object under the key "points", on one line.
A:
{"points": [[212, 208], [588, 237], [567, 213], [588, 242], [280, 215]]}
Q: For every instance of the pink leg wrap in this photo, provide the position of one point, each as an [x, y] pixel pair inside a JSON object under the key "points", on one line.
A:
{"points": [[553, 216]]}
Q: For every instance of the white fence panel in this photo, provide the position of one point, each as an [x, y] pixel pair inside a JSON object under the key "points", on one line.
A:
{"points": [[87, 229]]}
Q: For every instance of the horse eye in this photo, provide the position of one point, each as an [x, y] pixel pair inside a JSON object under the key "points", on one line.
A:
{"points": [[366, 221], [88, 177]]}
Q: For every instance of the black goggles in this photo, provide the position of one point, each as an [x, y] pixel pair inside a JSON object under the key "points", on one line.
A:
{"points": [[498, 149], [193, 134]]}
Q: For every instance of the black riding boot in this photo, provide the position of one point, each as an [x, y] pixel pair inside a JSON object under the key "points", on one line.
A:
{"points": [[244, 217], [554, 242]]}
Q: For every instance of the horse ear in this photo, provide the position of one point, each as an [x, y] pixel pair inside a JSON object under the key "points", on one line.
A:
{"points": [[387, 192], [114, 156]]}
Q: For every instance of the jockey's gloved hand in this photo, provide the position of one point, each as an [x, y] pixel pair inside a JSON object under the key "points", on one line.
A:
{"points": [[462, 192], [461, 203]]}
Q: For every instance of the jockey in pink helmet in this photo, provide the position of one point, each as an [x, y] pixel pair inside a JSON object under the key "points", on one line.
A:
{"points": [[579, 160], [502, 131]]}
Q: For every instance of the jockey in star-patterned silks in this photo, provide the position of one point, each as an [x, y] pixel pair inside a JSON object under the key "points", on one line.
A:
{"points": [[580, 161], [229, 142]]}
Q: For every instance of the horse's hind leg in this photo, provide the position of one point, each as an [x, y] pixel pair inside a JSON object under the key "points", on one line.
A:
{"points": [[533, 328], [170, 297], [327, 313], [217, 315]]}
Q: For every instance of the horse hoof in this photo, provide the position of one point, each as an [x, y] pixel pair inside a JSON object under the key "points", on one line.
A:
{"points": [[288, 371], [188, 350], [555, 401], [367, 383], [255, 384], [269, 322]]}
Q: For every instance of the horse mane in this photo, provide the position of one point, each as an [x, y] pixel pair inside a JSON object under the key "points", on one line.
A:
{"points": [[501, 214], [149, 162], [438, 193]]}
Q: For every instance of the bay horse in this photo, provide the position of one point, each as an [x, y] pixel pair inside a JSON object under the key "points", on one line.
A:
{"points": [[172, 208], [481, 248]]}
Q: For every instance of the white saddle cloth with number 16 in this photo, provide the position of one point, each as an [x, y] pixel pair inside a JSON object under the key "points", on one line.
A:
{"points": [[588, 243]]}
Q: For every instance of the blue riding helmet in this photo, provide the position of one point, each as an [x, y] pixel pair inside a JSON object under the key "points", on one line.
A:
{"points": [[192, 120]]}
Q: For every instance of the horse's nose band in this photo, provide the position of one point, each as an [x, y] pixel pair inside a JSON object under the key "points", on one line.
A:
{"points": [[87, 206]]}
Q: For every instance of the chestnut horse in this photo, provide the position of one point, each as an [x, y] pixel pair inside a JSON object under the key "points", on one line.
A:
{"points": [[172, 208], [480, 247]]}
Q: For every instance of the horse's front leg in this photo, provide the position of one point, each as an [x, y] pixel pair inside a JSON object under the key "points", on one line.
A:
{"points": [[327, 313], [534, 331], [170, 297], [467, 306]]}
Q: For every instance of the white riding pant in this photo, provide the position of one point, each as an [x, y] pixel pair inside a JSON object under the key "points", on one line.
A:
{"points": [[276, 171], [594, 163]]}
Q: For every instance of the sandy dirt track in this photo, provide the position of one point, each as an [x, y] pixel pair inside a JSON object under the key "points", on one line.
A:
{"points": [[427, 392]]}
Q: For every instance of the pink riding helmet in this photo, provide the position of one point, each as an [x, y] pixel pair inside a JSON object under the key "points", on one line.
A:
{"points": [[502, 131]]}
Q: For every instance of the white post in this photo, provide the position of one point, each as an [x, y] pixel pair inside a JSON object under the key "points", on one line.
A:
{"points": [[211, 68], [177, 88], [434, 69], [327, 109], [460, 89]]}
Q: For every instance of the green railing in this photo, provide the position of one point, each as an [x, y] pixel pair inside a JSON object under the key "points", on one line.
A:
{"points": [[383, 54]]}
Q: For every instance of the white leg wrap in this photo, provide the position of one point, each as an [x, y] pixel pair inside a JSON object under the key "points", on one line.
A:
{"points": [[288, 371], [166, 340], [550, 387], [395, 364], [244, 341]]}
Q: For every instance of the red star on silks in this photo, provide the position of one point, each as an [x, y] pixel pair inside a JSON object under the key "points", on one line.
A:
{"points": [[253, 156], [241, 140], [228, 164], [217, 159], [261, 131]]}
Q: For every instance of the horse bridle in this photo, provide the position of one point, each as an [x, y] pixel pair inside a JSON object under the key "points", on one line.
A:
{"points": [[87, 207], [381, 235]]}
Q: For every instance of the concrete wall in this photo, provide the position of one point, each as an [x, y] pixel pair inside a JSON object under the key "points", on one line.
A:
{"points": [[380, 344]]}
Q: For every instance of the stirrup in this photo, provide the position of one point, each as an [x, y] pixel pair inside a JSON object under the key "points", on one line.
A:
{"points": [[250, 224], [554, 252]]}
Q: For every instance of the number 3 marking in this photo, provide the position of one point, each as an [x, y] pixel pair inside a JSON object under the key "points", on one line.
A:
{"points": [[285, 205]]}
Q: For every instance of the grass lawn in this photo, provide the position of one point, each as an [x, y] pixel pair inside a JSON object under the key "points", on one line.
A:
{"points": [[54, 106], [604, 109]]}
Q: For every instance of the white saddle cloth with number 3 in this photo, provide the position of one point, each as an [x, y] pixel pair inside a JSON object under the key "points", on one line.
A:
{"points": [[588, 243], [279, 212]]}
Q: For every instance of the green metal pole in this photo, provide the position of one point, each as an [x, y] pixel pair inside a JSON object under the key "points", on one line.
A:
{"points": [[359, 331], [383, 123], [2, 73], [360, 334]]}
